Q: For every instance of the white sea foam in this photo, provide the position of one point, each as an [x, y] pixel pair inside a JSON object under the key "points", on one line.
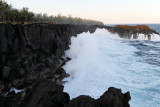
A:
{"points": [[102, 60], [15, 90], [153, 37]]}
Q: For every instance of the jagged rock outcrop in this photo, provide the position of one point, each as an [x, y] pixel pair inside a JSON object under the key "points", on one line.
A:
{"points": [[32, 52], [45, 93], [34, 47], [83, 101], [26, 49], [126, 31], [114, 98], [31, 59]]}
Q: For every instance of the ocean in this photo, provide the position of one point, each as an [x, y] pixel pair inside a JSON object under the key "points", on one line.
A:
{"points": [[155, 27], [102, 60]]}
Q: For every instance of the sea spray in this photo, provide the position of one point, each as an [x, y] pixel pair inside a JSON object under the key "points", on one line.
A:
{"points": [[101, 60]]}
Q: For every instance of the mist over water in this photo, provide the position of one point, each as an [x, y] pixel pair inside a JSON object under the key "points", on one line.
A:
{"points": [[102, 60]]}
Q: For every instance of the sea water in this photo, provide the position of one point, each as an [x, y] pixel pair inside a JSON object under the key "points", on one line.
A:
{"points": [[102, 60]]}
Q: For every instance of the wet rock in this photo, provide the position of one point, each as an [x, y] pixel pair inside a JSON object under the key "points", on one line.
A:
{"points": [[59, 82], [34, 47], [111, 98], [83, 101], [13, 100], [1, 87], [114, 98], [67, 75], [127, 96], [6, 71], [125, 31], [11, 93], [62, 72], [56, 76], [53, 80], [5, 87], [45, 93], [68, 59], [32, 52]]}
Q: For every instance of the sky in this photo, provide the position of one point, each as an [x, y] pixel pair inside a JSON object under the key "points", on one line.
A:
{"points": [[107, 11]]}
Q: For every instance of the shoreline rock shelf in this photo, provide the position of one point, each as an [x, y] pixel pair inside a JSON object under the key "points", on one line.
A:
{"points": [[45, 93]]}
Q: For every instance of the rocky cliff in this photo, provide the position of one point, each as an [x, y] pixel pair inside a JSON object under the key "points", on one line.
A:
{"points": [[34, 48], [45, 93], [31, 59], [128, 32]]}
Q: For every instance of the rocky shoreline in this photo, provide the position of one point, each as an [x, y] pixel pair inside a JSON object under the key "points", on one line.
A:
{"points": [[31, 59]]}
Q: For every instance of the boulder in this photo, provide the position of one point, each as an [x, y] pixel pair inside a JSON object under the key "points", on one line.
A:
{"points": [[114, 98], [45, 93], [83, 101]]}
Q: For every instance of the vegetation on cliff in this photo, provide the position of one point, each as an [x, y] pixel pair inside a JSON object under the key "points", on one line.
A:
{"points": [[11, 15]]}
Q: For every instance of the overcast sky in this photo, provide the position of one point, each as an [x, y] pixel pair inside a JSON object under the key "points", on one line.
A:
{"points": [[108, 11]]}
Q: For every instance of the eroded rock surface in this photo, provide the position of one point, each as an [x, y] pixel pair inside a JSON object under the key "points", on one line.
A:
{"points": [[126, 31], [114, 98], [34, 47], [45, 93], [31, 59]]}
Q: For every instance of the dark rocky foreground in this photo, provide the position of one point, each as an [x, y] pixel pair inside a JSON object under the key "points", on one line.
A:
{"points": [[31, 59], [45, 93]]}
